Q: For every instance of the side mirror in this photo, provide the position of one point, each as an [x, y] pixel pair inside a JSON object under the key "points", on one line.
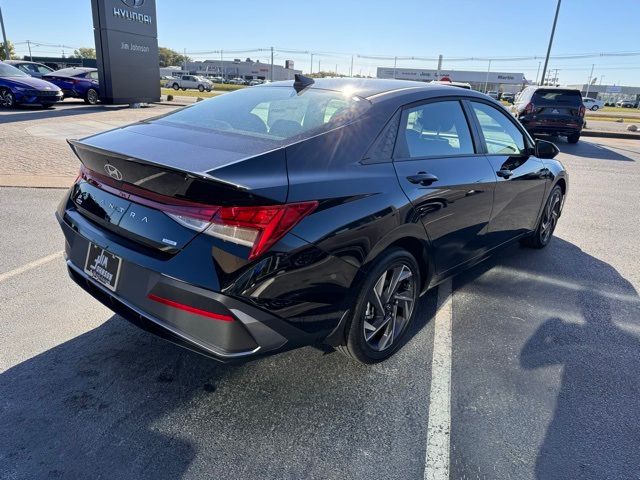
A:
{"points": [[546, 149]]}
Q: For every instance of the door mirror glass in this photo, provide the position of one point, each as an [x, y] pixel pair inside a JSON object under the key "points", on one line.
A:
{"points": [[546, 149]]}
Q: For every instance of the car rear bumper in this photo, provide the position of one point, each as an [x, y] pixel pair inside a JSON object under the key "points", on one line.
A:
{"points": [[148, 299], [552, 127]]}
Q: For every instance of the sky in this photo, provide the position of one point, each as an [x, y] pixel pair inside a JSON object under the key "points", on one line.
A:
{"points": [[334, 30]]}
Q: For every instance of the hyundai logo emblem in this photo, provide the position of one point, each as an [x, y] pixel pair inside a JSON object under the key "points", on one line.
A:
{"points": [[112, 171], [133, 3]]}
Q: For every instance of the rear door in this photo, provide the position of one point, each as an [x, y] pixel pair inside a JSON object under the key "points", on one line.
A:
{"points": [[447, 180], [521, 177]]}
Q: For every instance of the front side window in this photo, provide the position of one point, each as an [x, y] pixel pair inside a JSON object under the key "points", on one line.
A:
{"points": [[434, 130], [501, 135], [275, 113]]}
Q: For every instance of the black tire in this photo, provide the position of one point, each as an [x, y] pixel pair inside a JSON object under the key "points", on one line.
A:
{"points": [[7, 98], [594, 108], [176, 86], [200, 88], [373, 334], [573, 138], [184, 89], [548, 221], [91, 97]]}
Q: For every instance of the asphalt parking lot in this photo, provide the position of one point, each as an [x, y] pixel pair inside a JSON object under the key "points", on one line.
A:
{"points": [[545, 366]]}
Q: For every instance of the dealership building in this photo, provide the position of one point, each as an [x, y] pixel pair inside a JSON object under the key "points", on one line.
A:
{"points": [[247, 69], [609, 93], [498, 81]]}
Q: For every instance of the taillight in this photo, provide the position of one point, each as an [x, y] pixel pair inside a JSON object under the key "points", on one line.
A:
{"points": [[257, 227], [529, 108], [581, 112]]}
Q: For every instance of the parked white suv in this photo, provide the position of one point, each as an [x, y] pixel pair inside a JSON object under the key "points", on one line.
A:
{"points": [[190, 81], [592, 103]]}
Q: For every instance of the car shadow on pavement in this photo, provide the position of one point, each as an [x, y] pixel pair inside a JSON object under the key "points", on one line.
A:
{"points": [[117, 402], [591, 149], [38, 113], [592, 340]]}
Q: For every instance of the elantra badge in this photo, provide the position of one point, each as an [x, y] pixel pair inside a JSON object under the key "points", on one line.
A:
{"points": [[112, 171]]}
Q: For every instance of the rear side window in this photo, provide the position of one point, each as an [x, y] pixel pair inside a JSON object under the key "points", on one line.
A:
{"points": [[564, 97], [434, 130], [500, 134], [276, 113]]}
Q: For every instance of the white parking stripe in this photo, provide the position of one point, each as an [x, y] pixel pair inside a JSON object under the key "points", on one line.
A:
{"points": [[439, 428], [28, 266]]}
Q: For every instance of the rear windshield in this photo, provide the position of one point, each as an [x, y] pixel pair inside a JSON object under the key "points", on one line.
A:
{"points": [[567, 97], [275, 113], [7, 70]]}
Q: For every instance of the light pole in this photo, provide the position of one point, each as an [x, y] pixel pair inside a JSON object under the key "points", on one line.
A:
{"points": [[589, 81], [486, 80], [311, 68], [553, 31], [395, 64], [4, 36], [271, 64]]}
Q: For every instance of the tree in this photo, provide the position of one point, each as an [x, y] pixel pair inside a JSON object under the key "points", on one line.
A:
{"points": [[84, 53], [12, 51], [170, 57]]}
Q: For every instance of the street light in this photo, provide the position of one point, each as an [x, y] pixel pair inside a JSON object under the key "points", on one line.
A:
{"points": [[4, 36], [553, 31]]}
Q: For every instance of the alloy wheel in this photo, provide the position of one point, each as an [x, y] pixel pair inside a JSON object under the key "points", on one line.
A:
{"points": [[550, 218], [389, 307], [6, 99], [92, 96]]}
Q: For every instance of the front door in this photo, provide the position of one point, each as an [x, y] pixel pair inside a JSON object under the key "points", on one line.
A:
{"points": [[521, 176], [448, 181]]}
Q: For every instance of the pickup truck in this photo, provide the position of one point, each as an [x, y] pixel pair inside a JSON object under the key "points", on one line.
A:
{"points": [[190, 81]]}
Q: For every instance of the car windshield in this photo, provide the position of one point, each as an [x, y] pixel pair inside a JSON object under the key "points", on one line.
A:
{"points": [[571, 97], [275, 113], [10, 71]]}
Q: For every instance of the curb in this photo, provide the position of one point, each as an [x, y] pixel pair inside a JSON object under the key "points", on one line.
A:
{"points": [[605, 134]]}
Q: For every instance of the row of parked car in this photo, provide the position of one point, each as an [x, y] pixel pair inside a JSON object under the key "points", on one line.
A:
{"points": [[23, 82], [198, 82]]}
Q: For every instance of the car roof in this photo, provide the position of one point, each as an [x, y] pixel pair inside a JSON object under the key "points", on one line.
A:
{"points": [[21, 62], [72, 71], [372, 87]]}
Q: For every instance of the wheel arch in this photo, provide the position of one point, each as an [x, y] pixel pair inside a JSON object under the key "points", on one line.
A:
{"points": [[412, 238]]}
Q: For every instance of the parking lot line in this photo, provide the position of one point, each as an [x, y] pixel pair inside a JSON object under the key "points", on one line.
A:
{"points": [[28, 266], [439, 425]]}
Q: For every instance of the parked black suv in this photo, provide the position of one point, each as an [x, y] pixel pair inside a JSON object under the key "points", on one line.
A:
{"points": [[551, 110]]}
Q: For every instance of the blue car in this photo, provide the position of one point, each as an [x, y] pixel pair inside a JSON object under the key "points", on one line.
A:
{"points": [[16, 87], [77, 82]]}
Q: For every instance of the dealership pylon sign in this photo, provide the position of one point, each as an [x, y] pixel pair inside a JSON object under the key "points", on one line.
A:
{"points": [[126, 38]]}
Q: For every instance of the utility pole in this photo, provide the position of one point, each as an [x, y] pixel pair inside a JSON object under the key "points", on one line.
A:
{"points": [[486, 80], [271, 64], [336, 70], [553, 31], [589, 81], [319, 68], [395, 64], [538, 73], [4, 36], [351, 69], [29, 45], [439, 67], [311, 68], [221, 65], [184, 59], [601, 77]]}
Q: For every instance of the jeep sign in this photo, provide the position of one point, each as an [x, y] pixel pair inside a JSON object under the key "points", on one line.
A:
{"points": [[126, 38]]}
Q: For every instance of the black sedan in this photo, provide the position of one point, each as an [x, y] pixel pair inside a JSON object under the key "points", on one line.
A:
{"points": [[303, 212]]}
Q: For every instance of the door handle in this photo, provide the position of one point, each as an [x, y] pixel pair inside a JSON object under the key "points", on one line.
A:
{"points": [[422, 178], [504, 173]]}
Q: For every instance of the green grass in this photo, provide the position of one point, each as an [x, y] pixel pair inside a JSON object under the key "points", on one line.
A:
{"points": [[189, 93], [618, 110]]}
